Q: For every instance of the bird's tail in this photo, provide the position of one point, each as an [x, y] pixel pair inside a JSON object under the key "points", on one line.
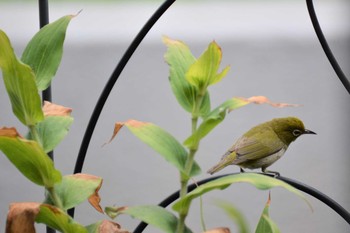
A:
{"points": [[223, 163]]}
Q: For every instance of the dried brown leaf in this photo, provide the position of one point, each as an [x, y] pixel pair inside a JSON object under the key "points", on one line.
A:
{"points": [[9, 132], [95, 198], [265, 100], [120, 124], [21, 217], [110, 227], [219, 230], [51, 109]]}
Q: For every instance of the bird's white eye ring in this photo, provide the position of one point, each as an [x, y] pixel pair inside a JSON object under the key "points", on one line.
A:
{"points": [[297, 132]]}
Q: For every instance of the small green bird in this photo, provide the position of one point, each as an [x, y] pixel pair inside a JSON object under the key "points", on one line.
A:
{"points": [[263, 145]]}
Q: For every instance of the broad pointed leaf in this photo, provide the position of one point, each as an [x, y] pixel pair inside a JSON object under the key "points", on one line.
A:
{"points": [[44, 52], [259, 181], [29, 158], [179, 59], [20, 85], [52, 131], [266, 225], [153, 215], [59, 220], [161, 141], [212, 120], [204, 71], [77, 188], [216, 116], [235, 215]]}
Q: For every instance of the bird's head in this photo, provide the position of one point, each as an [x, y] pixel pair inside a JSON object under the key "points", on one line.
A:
{"points": [[289, 128]]}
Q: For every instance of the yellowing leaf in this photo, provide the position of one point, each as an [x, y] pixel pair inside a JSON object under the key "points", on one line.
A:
{"points": [[160, 141], [20, 85], [179, 59], [204, 71], [30, 159], [59, 220]]}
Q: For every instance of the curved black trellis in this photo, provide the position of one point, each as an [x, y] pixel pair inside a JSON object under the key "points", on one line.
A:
{"points": [[43, 13], [325, 46], [133, 46], [302, 187]]}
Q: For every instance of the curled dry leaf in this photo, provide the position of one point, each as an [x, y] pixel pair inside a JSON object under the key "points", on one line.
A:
{"points": [[110, 227], [51, 109], [21, 217], [9, 132], [120, 125], [95, 198], [265, 100], [219, 230]]}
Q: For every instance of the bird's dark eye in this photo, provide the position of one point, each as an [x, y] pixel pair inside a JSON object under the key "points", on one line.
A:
{"points": [[297, 132]]}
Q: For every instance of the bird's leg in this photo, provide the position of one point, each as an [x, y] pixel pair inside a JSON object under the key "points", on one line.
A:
{"points": [[274, 173], [241, 170]]}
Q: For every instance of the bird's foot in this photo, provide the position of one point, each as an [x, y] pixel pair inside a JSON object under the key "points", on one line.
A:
{"points": [[274, 174]]}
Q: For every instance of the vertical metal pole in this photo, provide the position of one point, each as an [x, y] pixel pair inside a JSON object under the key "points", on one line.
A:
{"points": [[46, 94]]}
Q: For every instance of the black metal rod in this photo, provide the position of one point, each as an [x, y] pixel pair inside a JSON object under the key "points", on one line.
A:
{"points": [[325, 46], [109, 86], [43, 20], [320, 196], [296, 184], [46, 94]]}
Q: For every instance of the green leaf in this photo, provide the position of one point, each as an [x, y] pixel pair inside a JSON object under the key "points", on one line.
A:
{"points": [[266, 225], [179, 59], [20, 85], [214, 118], [44, 52], [153, 215], [160, 141], [75, 189], [52, 130], [29, 158], [259, 181], [204, 71], [59, 220], [235, 215]]}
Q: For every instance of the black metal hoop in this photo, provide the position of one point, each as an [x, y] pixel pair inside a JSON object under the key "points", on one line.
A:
{"points": [[302, 187], [44, 19], [110, 84]]}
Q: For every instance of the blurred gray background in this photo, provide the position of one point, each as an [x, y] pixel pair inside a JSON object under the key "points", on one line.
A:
{"points": [[273, 51]]}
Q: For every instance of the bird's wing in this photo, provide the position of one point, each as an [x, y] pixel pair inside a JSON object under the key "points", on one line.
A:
{"points": [[259, 145]]}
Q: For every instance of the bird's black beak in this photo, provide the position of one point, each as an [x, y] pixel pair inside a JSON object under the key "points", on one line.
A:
{"points": [[306, 131]]}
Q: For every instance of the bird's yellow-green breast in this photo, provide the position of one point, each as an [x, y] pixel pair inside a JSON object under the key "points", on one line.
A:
{"points": [[263, 144]]}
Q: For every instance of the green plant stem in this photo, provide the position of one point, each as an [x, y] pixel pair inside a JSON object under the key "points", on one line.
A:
{"points": [[55, 199], [35, 135], [204, 228], [190, 159]]}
